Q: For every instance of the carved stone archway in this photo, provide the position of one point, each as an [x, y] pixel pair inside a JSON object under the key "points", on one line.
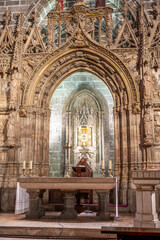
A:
{"points": [[49, 73]]}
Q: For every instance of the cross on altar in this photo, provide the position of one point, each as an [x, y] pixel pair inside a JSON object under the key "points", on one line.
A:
{"points": [[67, 148]]}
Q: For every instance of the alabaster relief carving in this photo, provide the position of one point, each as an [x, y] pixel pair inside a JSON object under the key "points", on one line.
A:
{"points": [[85, 124], [11, 129], [3, 122], [14, 89], [157, 126], [148, 123]]}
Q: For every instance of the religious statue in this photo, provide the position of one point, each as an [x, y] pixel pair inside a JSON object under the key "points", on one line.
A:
{"points": [[147, 85], [78, 40], [125, 98], [13, 89], [3, 86], [147, 123], [11, 128], [2, 125], [59, 6]]}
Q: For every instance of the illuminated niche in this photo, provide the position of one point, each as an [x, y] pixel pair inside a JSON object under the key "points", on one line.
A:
{"points": [[84, 136]]}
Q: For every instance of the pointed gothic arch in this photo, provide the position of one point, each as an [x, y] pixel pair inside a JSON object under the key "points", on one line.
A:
{"points": [[55, 67]]}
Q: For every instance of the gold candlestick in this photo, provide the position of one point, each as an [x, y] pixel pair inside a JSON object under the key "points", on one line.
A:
{"points": [[110, 172], [30, 172], [103, 172], [24, 172]]}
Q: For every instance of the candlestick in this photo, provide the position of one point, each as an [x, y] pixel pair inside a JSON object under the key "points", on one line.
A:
{"points": [[24, 165], [30, 165], [110, 165], [102, 164]]}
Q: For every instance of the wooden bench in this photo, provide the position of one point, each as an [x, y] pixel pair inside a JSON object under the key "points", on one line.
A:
{"points": [[129, 233]]}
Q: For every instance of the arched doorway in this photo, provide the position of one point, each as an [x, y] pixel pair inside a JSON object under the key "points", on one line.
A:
{"points": [[81, 115]]}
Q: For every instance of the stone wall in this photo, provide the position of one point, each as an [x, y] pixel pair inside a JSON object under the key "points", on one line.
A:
{"points": [[69, 86]]}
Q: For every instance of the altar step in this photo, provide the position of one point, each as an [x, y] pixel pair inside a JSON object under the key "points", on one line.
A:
{"points": [[45, 233], [84, 207], [35, 238]]}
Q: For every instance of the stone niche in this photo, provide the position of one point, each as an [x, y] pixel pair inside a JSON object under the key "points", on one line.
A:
{"points": [[82, 116]]}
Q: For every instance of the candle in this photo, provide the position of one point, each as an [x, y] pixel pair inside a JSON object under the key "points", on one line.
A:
{"points": [[30, 165], [110, 165], [24, 164], [102, 164]]}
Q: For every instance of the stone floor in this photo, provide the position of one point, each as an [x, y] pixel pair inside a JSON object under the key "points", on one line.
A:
{"points": [[51, 226]]}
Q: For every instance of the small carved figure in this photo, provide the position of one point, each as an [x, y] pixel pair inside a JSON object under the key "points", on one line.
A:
{"points": [[13, 89], [147, 123], [79, 41], [11, 128], [147, 85]]}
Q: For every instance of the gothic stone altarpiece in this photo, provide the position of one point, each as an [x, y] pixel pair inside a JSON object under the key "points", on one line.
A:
{"points": [[32, 65]]}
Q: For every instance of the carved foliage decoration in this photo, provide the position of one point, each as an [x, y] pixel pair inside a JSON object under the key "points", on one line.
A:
{"points": [[18, 49], [6, 38]]}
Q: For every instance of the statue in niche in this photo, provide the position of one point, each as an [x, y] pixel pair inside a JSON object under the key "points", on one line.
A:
{"points": [[11, 128], [157, 126], [125, 99], [3, 85], [117, 101], [147, 85], [2, 127], [13, 89], [78, 40], [147, 123]]}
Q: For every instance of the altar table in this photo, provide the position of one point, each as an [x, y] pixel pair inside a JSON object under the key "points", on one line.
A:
{"points": [[36, 186]]}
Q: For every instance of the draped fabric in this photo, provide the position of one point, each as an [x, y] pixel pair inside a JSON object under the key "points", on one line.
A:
{"points": [[22, 200]]}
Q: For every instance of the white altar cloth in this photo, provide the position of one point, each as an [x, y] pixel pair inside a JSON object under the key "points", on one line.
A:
{"points": [[22, 200]]}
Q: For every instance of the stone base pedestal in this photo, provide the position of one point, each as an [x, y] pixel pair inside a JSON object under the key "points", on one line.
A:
{"points": [[146, 215], [35, 204], [69, 211], [103, 200], [146, 210]]}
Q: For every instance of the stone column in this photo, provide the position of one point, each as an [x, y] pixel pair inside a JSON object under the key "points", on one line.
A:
{"points": [[100, 143], [69, 211], [124, 157], [103, 200], [146, 215], [117, 169], [35, 204]]}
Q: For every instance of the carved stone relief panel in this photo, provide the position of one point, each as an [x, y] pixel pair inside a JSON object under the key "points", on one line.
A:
{"points": [[157, 126], [156, 84], [85, 116]]}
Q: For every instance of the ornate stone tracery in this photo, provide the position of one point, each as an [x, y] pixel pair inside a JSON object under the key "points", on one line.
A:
{"points": [[32, 66]]}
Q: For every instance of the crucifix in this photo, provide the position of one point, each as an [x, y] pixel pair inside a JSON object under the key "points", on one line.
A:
{"points": [[67, 160]]}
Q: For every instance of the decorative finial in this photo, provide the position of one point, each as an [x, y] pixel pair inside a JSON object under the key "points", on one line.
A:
{"points": [[7, 17], [35, 16]]}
